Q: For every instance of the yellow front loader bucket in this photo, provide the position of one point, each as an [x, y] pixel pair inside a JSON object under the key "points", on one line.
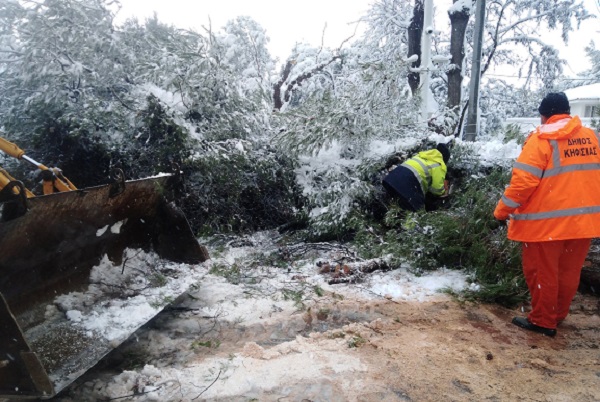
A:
{"points": [[48, 250]]}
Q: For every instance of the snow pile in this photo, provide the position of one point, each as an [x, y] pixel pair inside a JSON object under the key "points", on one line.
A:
{"points": [[121, 298], [585, 92], [459, 6], [492, 153], [400, 284], [239, 375]]}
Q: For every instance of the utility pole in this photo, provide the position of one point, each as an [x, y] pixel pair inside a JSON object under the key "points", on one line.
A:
{"points": [[426, 65], [472, 126]]}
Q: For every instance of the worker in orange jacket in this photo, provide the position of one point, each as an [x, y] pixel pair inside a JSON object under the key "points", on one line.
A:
{"points": [[553, 202]]}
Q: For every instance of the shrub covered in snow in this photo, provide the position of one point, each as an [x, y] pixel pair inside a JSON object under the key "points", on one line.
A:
{"points": [[236, 185]]}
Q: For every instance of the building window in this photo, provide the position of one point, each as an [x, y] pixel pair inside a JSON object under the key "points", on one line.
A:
{"points": [[591, 111]]}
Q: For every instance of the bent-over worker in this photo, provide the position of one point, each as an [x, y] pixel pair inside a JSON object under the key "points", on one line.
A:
{"points": [[412, 180]]}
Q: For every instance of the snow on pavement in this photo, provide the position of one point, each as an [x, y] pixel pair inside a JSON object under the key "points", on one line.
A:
{"points": [[256, 296]]}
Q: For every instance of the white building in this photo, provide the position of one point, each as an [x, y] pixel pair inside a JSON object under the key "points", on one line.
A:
{"points": [[584, 101]]}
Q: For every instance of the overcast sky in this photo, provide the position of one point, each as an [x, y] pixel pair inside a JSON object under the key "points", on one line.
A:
{"points": [[288, 22]]}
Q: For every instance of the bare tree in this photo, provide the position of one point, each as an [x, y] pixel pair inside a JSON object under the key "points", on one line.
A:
{"points": [[459, 19]]}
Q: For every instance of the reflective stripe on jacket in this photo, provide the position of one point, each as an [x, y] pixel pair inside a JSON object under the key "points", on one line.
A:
{"points": [[554, 192], [429, 168]]}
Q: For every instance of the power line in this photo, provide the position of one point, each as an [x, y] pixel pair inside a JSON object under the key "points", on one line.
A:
{"points": [[525, 78]]}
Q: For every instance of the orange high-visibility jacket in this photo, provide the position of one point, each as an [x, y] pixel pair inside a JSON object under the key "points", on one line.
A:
{"points": [[554, 192]]}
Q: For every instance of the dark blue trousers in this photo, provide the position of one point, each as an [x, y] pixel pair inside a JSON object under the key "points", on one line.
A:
{"points": [[402, 184]]}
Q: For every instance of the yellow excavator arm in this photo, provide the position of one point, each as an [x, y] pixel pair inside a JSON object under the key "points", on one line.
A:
{"points": [[6, 179], [49, 247], [54, 180]]}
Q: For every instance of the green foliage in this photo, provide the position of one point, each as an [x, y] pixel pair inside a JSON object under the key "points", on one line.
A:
{"points": [[82, 156], [464, 158], [341, 185], [157, 279], [513, 132], [231, 189], [232, 273], [459, 236], [161, 301], [205, 343], [157, 145], [142, 91], [63, 61], [318, 291], [295, 295], [465, 236], [340, 110], [356, 341]]}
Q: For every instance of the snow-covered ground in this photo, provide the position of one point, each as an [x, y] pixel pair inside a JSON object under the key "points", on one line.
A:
{"points": [[236, 290]]}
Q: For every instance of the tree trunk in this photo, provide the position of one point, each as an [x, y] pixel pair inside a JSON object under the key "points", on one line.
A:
{"points": [[415, 31], [277, 95], [459, 21]]}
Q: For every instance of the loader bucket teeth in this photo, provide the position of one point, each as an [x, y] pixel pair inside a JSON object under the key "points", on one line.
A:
{"points": [[50, 250]]}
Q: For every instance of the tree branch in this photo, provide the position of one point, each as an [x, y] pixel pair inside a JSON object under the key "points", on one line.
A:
{"points": [[211, 384], [495, 39], [532, 17]]}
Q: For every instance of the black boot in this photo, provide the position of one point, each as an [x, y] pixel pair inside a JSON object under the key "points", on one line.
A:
{"points": [[524, 323]]}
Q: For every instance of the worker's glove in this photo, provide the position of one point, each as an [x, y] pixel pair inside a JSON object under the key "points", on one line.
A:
{"points": [[501, 222]]}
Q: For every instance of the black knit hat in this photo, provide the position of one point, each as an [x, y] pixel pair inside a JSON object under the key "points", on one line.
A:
{"points": [[444, 150], [554, 103]]}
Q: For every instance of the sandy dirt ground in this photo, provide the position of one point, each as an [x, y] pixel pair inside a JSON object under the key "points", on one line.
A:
{"points": [[371, 350], [251, 331]]}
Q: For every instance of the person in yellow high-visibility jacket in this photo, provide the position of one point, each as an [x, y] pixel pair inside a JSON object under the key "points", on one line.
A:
{"points": [[423, 173]]}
